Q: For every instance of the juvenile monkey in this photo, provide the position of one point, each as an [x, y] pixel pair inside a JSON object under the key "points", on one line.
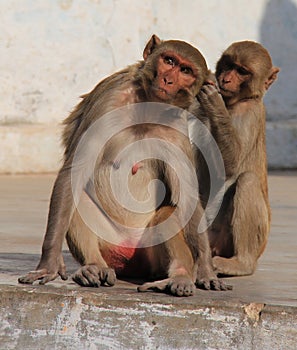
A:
{"points": [[236, 115], [171, 73]]}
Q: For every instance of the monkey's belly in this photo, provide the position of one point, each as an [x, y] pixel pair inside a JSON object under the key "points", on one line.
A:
{"points": [[127, 262]]}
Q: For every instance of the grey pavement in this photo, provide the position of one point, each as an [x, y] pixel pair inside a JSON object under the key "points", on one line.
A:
{"points": [[272, 290]]}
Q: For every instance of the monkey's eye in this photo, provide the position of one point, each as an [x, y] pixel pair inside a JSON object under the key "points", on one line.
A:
{"points": [[186, 70], [242, 71], [169, 60]]}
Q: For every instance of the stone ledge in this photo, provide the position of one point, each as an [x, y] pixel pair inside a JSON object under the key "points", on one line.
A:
{"points": [[48, 318], [62, 315]]}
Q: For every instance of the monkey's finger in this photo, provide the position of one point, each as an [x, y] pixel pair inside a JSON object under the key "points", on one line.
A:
{"points": [[64, 277], [209, 89], [218, 285], [203, 97], [92, 279], [62, 273], [108, 276], [110, 280], [98, 275], [224, 286], [189, 291], [203, 284], [32, 276], [209, 82], [177, 290], [82, 281], [182, 289], [47, 278]]}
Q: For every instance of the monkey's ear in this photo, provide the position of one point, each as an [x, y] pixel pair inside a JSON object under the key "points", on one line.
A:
{"points": [[272, 77], [151, 45], [210, 78]]}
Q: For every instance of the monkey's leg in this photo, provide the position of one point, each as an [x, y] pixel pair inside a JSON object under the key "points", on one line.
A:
{"points": [[198, 242], [206, 278], [172, 258], [86, 248], [249, 226]]}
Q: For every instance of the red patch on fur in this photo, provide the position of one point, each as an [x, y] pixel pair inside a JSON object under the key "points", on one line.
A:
{"points": [[136, 167], [127, 261], [125, 252]]}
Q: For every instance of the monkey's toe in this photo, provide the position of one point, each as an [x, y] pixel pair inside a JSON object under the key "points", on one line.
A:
{"points": [[87, 276], [33, 276], [94, 276], [181, 287], [177, 286], [213, 284], [107, 276]]}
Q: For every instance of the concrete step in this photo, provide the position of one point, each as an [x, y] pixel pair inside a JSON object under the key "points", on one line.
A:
{"points": [[36, 148], [260, 313], [120, 318]]}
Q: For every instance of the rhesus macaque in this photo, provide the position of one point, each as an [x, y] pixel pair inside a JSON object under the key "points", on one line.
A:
{"points": [[236, 114], [172, 72]]}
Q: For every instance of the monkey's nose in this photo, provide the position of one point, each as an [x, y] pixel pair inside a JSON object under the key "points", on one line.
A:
{"points": [[167, 81]]}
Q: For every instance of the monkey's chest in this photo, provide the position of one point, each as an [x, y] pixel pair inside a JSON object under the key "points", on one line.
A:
{"points": [[128, 191]]}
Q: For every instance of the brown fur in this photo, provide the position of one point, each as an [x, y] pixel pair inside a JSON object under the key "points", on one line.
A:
{"points": [[183, 259], [236, 118]]}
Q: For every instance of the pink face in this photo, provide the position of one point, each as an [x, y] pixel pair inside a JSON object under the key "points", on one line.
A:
{"points": [[231, 79], [174, 73]]}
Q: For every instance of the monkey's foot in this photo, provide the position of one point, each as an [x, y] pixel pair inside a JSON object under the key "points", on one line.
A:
{"points": [[212, 283], [94, 276], [180, 286], [43, 275], [233, 266]]}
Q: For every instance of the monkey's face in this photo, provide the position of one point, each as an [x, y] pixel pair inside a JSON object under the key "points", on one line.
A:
{"points": [[174, 74], [231, 77]]}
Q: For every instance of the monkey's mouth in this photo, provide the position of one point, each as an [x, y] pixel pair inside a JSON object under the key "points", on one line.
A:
{"points": [[163, 94], [225, 92]]}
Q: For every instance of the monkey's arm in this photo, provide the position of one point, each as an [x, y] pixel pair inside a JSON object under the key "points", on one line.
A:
{"points": [[70, 183], [61, 208]]}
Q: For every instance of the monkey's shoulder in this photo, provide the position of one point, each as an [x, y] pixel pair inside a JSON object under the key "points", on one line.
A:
{"points": [[248, 110], [113, 92]]}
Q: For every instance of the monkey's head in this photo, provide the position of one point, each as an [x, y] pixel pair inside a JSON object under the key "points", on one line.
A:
{"points": [[174, 70], [245, 71]]}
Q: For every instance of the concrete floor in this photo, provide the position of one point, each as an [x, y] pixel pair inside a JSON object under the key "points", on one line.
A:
{"points": [[23, 210]]}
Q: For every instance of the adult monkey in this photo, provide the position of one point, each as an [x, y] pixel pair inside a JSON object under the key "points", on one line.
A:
{"points": [[172, 72], [236, 114]]}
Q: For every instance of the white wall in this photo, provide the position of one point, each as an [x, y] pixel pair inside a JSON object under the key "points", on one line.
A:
{"points": [[52, 51]]}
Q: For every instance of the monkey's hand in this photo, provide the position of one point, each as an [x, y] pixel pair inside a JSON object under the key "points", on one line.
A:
{"points": [[211, 101], [209, 281], [211, 80], [180, 286], [46, 271], [94, 276]]}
